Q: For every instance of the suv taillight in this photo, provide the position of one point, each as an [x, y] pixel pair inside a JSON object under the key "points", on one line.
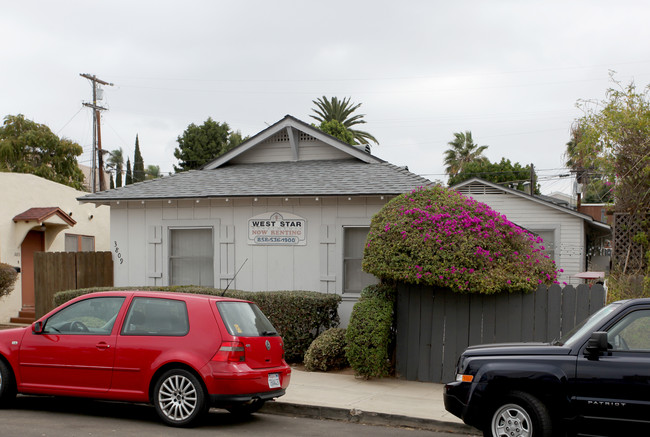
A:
{"points": [[231, 351]]}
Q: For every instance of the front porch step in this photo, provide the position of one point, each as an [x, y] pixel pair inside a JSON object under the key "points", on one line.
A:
{"points": [[22, 320], [25, 317]]}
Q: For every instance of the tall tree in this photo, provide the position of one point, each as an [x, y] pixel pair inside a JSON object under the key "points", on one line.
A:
{"points": [[116, 160], [30, 147], [596, 188], [616, 140], [342, 111], [505, 173], [199, 145], [129, 173], [138, 162], [463, 151]]}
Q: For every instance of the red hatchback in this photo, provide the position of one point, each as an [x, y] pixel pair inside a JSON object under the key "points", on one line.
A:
{"points": [[181, 352]]}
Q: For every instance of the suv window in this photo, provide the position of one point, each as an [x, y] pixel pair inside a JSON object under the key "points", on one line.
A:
{"points": [[245, 319], [631, 333], [156, 316], [90, 316]]}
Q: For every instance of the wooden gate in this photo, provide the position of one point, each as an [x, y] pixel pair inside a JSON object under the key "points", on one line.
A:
{"points": [[58, 271], [434, 326]]}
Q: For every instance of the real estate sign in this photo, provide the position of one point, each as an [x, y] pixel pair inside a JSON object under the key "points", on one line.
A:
{"points": [[283, 229]]}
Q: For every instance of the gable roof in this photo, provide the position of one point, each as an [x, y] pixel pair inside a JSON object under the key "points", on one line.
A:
{"points": [[481, 186], [295, 179], [42, 214], [292, 126], [351, 171]]}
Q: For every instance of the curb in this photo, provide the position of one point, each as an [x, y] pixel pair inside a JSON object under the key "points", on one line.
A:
{"points": [[365, 417]]}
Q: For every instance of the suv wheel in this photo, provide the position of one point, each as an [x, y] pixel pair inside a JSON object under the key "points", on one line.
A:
{"points": [[520, 415], [7, 385], [179, 398]]}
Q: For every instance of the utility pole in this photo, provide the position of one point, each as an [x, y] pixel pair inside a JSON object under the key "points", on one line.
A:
{"points": [[532, 179], [97, 133]]}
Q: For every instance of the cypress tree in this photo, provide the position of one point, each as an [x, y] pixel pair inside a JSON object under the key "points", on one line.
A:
{"points": [[138, 163], [129, 174]]}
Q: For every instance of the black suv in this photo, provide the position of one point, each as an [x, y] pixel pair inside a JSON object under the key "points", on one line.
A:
{"points": [[594, 381]]}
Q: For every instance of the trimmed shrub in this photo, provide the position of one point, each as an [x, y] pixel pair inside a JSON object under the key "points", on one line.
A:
{"points": [[370, 333], [299, 316], [8, 276], [327, 352], [436, 236]]}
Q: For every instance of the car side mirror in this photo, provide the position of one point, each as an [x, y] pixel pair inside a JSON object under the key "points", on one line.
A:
{"points": [[597, 343], [37, 327]]}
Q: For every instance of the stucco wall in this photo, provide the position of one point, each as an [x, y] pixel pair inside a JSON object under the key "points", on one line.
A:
{"points": [[18, 193], [140, 242]]}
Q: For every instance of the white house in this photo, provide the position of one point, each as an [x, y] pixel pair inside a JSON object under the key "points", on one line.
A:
{"points": [[289, 209], [568, 235], [40, 215]]}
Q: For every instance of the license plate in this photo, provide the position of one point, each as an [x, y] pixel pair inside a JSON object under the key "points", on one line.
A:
{"points": [[274, 380]]}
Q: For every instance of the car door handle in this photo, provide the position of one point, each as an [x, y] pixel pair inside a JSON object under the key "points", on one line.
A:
{"points": [[102, 346]]}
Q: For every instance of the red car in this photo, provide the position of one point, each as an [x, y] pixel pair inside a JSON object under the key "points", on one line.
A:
{"points": [[181, 352]]}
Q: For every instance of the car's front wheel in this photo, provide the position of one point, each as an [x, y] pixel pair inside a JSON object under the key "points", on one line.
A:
{"points": [[7, 385], [179, 398], [519, 414]]}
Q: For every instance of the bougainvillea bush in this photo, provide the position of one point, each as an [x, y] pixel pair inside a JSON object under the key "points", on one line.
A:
{"points": [[436, 236]]}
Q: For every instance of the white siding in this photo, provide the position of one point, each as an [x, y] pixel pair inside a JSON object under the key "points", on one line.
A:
{"points": [[317, 266], [569, 230]]}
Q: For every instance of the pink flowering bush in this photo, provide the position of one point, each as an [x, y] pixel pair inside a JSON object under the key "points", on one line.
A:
{"points": [[436, 236]]}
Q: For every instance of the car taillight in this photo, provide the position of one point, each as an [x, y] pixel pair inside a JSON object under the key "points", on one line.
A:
{"points": [[231, 351]]}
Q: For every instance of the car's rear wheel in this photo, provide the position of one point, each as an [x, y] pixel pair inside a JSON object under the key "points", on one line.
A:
{"points": [[247, 408], [519, 414], [179, 398], [7, 385]]}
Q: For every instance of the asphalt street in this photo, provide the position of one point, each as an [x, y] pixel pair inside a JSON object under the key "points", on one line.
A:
{"points": [[58, 417]]}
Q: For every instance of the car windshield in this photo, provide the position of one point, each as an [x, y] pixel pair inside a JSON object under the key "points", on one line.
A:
{"points": [[245, 319], [587, 325]]}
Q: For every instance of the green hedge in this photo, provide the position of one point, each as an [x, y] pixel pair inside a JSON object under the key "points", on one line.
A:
{"points": [[299, 316], [370, 333], [327, 352], [8, 277]]}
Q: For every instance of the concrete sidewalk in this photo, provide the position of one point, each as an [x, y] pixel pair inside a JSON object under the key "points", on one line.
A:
{"points": [[385, 401]]}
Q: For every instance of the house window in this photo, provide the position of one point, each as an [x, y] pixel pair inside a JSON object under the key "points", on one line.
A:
{"points": [[191, 259], [355, 279], [549, 241], [79, 243]]}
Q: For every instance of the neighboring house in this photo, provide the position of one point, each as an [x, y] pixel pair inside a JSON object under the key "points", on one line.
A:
{"points": [[570, 237], [288, 209], [40, 215]]}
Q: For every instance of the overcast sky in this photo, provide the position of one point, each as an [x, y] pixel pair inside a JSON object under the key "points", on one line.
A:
{"points": [[509, 71]]}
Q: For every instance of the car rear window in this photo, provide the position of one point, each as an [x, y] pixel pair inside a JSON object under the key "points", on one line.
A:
{"points": [[245, 319]]}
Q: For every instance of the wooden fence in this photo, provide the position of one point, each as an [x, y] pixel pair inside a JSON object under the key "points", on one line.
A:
{"points": [[58, 271], [434, 326]]}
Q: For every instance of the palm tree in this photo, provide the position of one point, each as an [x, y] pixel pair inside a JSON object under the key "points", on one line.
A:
{"points": [[116, 160], [341, 111], [462, 151]]}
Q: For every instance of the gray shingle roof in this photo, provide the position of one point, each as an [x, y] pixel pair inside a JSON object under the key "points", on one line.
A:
{"points": [[302, 178]]}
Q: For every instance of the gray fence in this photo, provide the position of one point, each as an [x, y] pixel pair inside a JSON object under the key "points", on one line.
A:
{"points": [[434, 326]]}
